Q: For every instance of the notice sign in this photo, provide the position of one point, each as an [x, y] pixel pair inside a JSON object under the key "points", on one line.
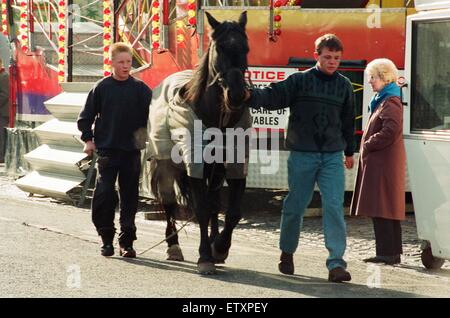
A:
{"points": [[261, 77]]}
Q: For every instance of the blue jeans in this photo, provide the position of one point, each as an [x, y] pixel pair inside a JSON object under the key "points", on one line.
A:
{"points": [[304, 170]]}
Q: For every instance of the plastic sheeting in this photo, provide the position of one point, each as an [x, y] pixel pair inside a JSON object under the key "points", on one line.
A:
{"points": [[19, 141]]}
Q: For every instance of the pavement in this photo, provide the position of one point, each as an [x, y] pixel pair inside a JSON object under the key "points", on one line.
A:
{"points": [[50, 249]]}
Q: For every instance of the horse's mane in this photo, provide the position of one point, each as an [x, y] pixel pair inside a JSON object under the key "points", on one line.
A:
{"points": [[197, 85]]}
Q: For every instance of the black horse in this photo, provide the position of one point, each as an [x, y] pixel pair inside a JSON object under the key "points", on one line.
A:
{"points": [[214, 94]]}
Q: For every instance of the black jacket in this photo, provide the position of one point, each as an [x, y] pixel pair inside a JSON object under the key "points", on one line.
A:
{"points": [[119, 110]]}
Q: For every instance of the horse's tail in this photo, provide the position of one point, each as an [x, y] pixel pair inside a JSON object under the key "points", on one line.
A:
{"points": [[155, 175], [185, 197], [164, 176]]}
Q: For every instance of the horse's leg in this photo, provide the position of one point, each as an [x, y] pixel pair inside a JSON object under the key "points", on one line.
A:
{"points": [[216, 180], [214, 223], [222, 242], [205, 264], [174, 252], [165, 178]]}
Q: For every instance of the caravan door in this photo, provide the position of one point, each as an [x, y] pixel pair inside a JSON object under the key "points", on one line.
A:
{"points": [[427, 125]]}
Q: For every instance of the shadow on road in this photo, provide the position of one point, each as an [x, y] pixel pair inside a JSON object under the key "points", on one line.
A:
{"points": [[441, 272], [305, 286]]}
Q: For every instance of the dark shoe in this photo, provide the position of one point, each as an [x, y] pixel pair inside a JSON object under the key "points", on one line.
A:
{"points": [[397, 260], [127, 252], [286, 265], [339, 275], [388, 260], [107, 250], [375, 259], [107, 235]]}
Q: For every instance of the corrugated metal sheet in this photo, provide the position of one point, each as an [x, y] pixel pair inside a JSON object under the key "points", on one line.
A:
{"points": [[52, 185], [56, 160], [57, 132], [59, 164], [66, 105]]}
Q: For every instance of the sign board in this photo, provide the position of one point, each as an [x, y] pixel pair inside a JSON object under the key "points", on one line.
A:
{"points": [[262, 77]]}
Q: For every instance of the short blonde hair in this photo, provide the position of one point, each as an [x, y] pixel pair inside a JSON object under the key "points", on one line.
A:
{"points": [[385, 69], [120, 47]]}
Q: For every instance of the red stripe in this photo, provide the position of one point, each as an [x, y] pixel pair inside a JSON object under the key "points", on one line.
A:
{"points": [[357, 132], [268, 129]]}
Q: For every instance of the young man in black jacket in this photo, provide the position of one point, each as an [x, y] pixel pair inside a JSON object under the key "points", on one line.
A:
{"points": [[320, 129], [118, 106]]}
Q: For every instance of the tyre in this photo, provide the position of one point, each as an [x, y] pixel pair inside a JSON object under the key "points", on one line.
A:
{"points": [[429, 261]]}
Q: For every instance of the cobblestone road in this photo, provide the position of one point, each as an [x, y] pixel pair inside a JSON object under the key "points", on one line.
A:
{"points": [[360, 237]]}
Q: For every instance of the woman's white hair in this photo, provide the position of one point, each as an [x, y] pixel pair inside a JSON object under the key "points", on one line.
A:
{"points": [[385, 69]]}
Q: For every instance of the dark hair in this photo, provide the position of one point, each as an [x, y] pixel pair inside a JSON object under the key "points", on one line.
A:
{"points": [[330, 41]]}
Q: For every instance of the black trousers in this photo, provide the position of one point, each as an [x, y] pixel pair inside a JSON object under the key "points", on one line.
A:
{"points": [[126, 167], [388, 237]]}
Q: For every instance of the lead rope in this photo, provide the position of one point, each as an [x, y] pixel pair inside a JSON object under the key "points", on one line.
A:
{"points": [[170, 236]]}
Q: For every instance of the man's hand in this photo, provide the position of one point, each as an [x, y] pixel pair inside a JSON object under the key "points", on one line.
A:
{"points": [[348, 162], [89, 147]]}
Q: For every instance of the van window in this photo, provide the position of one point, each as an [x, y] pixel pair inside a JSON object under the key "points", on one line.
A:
{"points": [[430, 76]]}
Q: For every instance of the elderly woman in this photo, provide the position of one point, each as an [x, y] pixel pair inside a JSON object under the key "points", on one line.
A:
{"points": [[380, 182]]}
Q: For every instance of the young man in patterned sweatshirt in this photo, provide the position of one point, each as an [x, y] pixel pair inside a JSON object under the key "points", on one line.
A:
{"points": [[320, 138]]}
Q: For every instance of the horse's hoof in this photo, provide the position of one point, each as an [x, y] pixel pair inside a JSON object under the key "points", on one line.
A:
{"points": [[174, 253], [219, 258], [206, 268]]}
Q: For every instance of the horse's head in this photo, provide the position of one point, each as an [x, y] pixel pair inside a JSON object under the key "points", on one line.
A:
{"points": [[228, 59], [217, 89], [229, 43]]}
